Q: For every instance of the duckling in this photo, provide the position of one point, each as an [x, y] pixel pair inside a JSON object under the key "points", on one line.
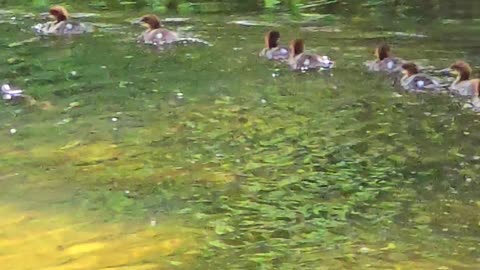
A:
{"points": [[385, 62], [463, 85], [61, 25], [299, 60], [155, 34], [272, 50], [414, 80]]}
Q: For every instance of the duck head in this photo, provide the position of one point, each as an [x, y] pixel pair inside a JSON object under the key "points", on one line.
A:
{"points": [[151, 22], [382, 52], [59, 13], [462, 70], [409, 69], [297, 46], [271, 39]]}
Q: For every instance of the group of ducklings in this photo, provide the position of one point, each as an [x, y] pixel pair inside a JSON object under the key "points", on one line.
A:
{"points": [[294, 55], [407, 73], [412, 79]]}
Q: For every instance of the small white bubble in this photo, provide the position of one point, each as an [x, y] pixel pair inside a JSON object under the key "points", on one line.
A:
{"points": [[127, 191], [263, 101], [73, 73], [180, 95], [468, 180], [114, 119], [13, 131], [153, 223]]}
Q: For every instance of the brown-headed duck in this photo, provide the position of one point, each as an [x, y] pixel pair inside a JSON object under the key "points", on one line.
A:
{"points": [[464, 85], [413, 80], [62, 25], [155, 33], [272, 50], [384, 61], [299, 60]]}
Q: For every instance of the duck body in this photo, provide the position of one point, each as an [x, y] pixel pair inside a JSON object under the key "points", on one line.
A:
{"points": [[301, 61], [158, 36], [63, 28], [388, 65], [419, 82], [465, 88], [277, 53], [304, 62]]}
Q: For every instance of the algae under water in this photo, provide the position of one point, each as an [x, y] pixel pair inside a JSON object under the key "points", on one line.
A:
{"points": [[242, 170]]}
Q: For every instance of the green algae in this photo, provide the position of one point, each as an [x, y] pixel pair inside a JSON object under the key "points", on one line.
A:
{"points": [[246, 171]]}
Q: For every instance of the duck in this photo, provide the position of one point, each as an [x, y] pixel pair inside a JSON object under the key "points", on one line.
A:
{"points": [[10, 93], [155, 33], [272, 50], [385, 62], [413, 80], [299, 60], [463, 84], [14, 95], [62, 25]]}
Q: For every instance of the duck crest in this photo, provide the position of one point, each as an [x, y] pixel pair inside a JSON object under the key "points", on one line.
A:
{"points": [[152, 21], [271, 39], [297, 46], [382, 51], [59, 12], [463, 69]]}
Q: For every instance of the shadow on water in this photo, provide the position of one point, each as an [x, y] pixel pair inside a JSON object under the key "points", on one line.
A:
{"points": [[210, 158]]}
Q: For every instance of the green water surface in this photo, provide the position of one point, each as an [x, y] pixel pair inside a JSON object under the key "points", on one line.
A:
{"points": [[255, 167]]}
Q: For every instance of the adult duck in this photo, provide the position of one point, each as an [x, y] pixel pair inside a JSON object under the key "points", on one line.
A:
{"points": [[464, 85], [413, 80], [61, 24], [384, 61], [299, 60], [272, 50]]}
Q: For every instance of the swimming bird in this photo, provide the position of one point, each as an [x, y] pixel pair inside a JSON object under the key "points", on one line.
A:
{"points": [[299, 60], [61, 25], [272, 50], [10, 93], [413, 80], [155, 33], [384, 61], [162, 37], [464, 85]]}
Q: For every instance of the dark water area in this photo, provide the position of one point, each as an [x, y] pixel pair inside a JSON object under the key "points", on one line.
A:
{"points": [[208, 157]]}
